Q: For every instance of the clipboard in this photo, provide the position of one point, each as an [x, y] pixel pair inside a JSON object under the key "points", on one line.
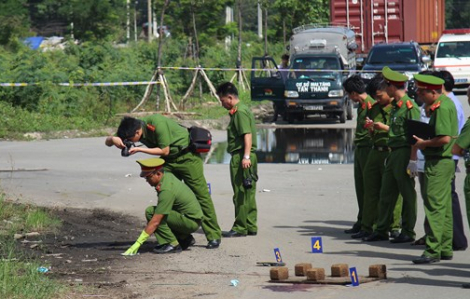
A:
{"points": [[420, 129]]}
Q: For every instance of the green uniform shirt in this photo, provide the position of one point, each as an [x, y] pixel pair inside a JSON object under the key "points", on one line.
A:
{"points": [[464, 140], [362, 137], [242, 122], [402, 110], [174, 195], [380, 114], [445, 123], [160, 131]]}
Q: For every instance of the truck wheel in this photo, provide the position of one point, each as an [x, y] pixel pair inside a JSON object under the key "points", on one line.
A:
{"points": [[342, 116], [350, 110], [290, 118]]}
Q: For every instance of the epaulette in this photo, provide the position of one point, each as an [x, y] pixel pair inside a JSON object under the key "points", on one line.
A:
{"points": [[151, 127], [233, 110], [400, 103], [369, 105], [435, 106], [409, 105]]}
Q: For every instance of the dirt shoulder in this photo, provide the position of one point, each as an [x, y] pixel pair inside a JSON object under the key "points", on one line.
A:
{"points": [[86, 252]]}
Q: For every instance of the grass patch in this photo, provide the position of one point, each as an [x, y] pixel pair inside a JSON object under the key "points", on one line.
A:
{"points": [[19, 275]]}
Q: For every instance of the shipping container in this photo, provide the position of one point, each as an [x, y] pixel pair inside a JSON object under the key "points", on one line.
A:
{"points": [[376, 21]]}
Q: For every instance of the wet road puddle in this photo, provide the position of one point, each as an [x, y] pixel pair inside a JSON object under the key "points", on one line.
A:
{"points": [[297, 146]]}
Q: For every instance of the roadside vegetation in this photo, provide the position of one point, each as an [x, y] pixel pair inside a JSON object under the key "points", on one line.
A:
{"points": [[19, 275], [47, 106]]}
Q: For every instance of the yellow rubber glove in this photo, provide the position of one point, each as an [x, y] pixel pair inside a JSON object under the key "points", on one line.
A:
{"points": [[134, 248]]}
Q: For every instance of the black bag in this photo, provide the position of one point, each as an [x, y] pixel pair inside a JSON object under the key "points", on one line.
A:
{"points": [[200, 140]]}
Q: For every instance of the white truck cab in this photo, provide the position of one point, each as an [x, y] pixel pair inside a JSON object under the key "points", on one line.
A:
{"points": [[453, 54]]}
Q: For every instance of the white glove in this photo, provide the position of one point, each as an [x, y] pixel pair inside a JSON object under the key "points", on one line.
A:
{"points": [[412, 168]]}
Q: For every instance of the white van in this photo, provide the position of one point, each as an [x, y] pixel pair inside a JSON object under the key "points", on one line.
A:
{"points": [[453, 54]]}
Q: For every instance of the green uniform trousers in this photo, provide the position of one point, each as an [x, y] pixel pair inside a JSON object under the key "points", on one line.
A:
{"points": [[438, 206], [189, 168], [373, 173], [361, 155], [396, 181], [246, 213], [174, 227], [466, 190]]}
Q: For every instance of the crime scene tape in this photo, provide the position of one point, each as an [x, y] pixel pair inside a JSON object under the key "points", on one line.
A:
{"points": [[22, 84], [86, 84]]}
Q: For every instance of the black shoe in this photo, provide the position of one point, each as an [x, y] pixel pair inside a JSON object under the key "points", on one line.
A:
{"points": [[466, 286], [232, 234], [360, 235], [425, 260], [421, 241], [168, 248], [213, 244], [446, 257], [402, 238], [375, 236], [189, 241], [459, 248], [353, 230], [252, 233], [394, 234]]}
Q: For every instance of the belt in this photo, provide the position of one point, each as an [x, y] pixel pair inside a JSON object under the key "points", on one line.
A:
{"points": [[432, 158], [381, 148], [393, 148], [179, 154]]}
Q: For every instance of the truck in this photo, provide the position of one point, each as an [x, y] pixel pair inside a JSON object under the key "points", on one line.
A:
{"points": [[390, 21], [321, 58]]}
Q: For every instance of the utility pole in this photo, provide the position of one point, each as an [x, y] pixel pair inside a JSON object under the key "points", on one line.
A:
{"points": [[149, 20], [260, 20], [135, 20], [128, 22], [228, 19]]}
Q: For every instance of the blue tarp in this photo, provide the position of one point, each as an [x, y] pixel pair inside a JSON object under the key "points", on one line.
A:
{"points": [[33, 42]]}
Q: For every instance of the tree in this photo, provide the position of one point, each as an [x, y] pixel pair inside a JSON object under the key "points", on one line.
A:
{"points": [[457, 14], [14, 21]]}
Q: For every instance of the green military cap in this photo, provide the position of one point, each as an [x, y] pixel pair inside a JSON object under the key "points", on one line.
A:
{"points": [[428, 82], [150, 165], [394, 77]]}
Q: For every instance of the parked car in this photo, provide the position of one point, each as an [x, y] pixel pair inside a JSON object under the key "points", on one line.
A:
{"points": [[407, 58]]}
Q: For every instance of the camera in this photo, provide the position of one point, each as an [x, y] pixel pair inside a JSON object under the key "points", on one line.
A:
{"points": [[248, 183], [125, 151]]}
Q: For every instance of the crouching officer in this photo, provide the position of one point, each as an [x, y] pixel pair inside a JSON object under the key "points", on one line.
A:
{"points": [[176, 215]]}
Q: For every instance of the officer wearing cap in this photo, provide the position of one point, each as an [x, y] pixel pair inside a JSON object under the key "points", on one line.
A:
{"points": [[439, 168], [176, 215], [395, 179], [166, 138], [356, 90]]}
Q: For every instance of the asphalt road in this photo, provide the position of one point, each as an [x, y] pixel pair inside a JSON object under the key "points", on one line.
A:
{"points": [[296, 202]]}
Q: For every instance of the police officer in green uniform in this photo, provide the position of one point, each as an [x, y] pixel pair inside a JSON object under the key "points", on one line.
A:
{"points": [[395, 179], [241, 139], [356, 90], [461, 148], [439, 169], [176, 215], [166, 138], [377, 121]]}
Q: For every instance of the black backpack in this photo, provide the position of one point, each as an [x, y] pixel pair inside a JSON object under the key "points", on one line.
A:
{"points": [[200, 140]]}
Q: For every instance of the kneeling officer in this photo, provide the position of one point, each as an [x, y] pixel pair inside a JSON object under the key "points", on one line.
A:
{"points": [[176, 215]]}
